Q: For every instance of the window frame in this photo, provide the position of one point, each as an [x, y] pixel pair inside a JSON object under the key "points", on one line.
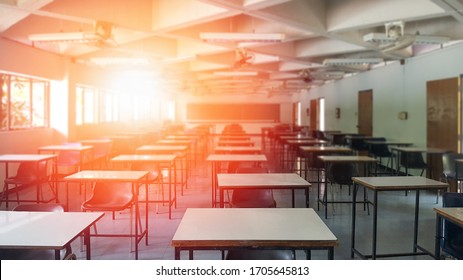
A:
{"points": [[6, 81]]}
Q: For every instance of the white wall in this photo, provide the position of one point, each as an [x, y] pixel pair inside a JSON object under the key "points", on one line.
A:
{"points": [[395, 88]]}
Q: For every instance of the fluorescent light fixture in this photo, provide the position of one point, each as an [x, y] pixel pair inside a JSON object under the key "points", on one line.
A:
{"points": [[66, 37], [222, 37], [107, 61], [179, 59], [236, 73], [350, 61], [381, 38]]}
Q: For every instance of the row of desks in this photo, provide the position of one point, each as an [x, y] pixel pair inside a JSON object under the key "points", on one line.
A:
{"points": [[164, 154]]}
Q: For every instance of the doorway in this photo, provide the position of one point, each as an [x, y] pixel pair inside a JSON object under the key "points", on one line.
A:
{"points": [[443, 120], [365, 112]]}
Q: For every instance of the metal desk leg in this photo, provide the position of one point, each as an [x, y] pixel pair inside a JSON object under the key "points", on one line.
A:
{"points": [[375, 225], [354, 195]]}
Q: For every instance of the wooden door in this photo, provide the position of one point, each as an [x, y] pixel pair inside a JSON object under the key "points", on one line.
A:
{"points": [[365, 112], [443, 119], [314, 114]]}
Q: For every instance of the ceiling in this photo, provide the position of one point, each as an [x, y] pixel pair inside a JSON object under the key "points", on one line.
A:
{"points": [[164, 35]]}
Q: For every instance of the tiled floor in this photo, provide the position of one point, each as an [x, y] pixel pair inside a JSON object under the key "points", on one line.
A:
{"points": [[395, 229]]}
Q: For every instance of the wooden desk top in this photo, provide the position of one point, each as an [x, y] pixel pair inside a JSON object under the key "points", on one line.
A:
{"points": [[290, 227], [154, 148], [236, 157], [107, 175], [301, 142], [399, 183], [96, 141], [174, 142], [235, 142], [76, 148], [25, 157], [183, 137], [237, 149], [388, 142], [420, 149], [144, 158], [261, 180], [454, 214], [326, 149], [42, 230], [352, 159]]}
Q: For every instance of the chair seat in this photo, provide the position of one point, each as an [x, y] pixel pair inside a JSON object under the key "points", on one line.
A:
{"points": [[113, 205], [25, 180], [244, 254], [249, 198], [109, 197]]}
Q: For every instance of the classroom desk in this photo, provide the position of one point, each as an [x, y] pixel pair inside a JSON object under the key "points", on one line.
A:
{"points": [[101, 148], [237, 150], [8, 159], [243, 137], [327, 160], [310, 153], [391, 183], [290, 155], [199, 140], [452, 214], [406, 150], [276, 181], [191, 150], [337, 137], [247, 143], [137, 178], [168, 161], [372, 143], [217, 159], [45, 230], [253, 228], [180, 150], [123, 144], [85, 153]]}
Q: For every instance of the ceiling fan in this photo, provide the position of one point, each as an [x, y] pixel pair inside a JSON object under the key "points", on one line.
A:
{"points": [[395, 38], [242, 58], [101, 36]]}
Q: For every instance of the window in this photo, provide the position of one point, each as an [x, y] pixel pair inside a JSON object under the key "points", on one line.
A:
{"points": [[24, 102], [321, 114], [86, 105]]}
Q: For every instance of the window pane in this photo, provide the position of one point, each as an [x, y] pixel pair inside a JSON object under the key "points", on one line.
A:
{"points": [[38, 103], [79, 106], [108, 117], [20, 105], [4, 98], [89, 116]]}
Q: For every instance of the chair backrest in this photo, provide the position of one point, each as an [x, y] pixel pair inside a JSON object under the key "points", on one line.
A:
{"points": [[68, 158], [28, 170], [252, 198], [380, 150], [453, 234], [342, 173], [146, 166], [412, 160], [448, 165], [110, 196], [251, 169]]}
